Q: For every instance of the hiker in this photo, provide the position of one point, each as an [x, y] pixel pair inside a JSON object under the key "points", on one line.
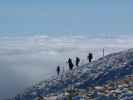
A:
{"points": [[70, 64], [58, 70], [90, 57], [77, 61]]}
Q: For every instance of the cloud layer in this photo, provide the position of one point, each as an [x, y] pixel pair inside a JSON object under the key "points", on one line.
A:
{"points": [[26, 60]]}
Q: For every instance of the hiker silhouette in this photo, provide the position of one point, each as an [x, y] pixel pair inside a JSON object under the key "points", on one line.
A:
{"points": [[58, 70], [90, 57], [70, 64], [77, 61]]}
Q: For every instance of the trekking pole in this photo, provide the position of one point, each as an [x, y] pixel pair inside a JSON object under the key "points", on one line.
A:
{"points": [[72, 84], [103, 52]]}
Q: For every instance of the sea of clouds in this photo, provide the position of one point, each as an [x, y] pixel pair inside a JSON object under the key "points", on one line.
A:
{"points": [[25, 60]]}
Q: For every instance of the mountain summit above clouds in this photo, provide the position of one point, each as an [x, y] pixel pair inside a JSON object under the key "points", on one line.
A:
{"points": [[109, 78]]}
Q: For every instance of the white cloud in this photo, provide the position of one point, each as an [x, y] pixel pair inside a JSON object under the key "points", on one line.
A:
{"points": [[25, 60]]}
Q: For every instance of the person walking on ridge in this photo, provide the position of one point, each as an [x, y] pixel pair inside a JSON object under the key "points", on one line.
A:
{"points": [[90, 57], [77, 61]]}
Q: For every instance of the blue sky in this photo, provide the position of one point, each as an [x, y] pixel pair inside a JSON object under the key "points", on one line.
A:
{"points": [[65, 16]]}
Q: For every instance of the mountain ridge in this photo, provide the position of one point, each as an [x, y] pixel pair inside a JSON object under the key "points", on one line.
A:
{"points": [[111, 67]]}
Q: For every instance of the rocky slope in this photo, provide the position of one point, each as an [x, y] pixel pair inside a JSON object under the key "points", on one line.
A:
{"points": [[112, 67]]}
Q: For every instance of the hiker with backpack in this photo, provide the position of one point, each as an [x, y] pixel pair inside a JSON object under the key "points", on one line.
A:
{"points": [[70, 63], [58, 70], [77, 61], [90, 57]]}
